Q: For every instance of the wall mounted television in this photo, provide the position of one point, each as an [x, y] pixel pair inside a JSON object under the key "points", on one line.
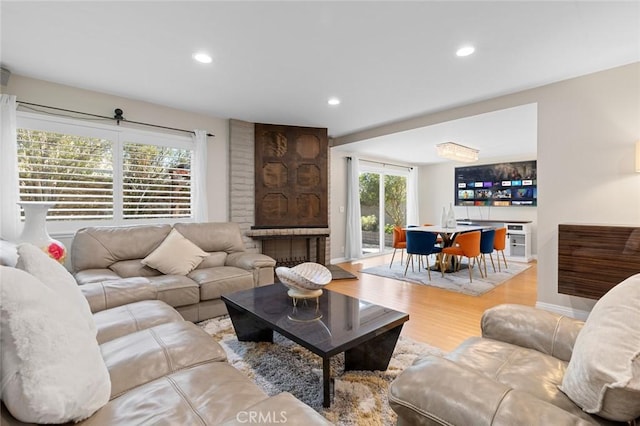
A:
{"points": [[501, 185]]}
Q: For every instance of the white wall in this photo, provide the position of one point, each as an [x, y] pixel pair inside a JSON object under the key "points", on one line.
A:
{"points": [[587, 128], [57, 95]]}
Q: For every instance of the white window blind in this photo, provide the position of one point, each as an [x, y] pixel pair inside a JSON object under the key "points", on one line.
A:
{"points": [[156, 181], [100, 173], [74, 171]]}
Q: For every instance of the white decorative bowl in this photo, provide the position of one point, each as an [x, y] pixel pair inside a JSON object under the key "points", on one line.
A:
{"points": [[305, 279]]}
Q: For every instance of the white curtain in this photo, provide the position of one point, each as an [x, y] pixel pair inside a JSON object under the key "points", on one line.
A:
{"points": [[413, 210], [9, 193], [199, 171], [353, 240]]}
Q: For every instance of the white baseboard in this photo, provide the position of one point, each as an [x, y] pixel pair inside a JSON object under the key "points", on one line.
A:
{"points": [[563, 310], [338, 260]]}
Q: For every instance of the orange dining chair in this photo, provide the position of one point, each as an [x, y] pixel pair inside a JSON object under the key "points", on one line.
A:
{"points": [[499, 244], [466, 245], [399, 242]]}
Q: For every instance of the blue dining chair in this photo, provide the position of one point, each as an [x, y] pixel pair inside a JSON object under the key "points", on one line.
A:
{"points": [[487, 238], [421, 243]]}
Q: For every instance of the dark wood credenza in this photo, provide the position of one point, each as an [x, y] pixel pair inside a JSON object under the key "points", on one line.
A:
{"points": [[592, 259]]}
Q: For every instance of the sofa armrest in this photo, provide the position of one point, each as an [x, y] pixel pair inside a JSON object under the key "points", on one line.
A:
{"points": [[532, 328], [261, 265], [110, 294], [438, 391]]}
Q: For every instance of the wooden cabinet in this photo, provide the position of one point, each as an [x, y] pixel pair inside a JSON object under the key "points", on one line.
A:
{"points": [[291, 169]]}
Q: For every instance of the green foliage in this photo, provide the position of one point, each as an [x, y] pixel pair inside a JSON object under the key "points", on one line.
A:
{"points": [[388, 228], [395, 195], [369, 223]]}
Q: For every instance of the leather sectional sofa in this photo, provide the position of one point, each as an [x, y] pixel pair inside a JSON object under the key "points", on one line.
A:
{"points": [[114, 256], [162, 369]]}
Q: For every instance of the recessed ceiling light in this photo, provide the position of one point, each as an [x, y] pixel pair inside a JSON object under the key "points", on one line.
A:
{"points": [[465, 51], [202, 58], [333, 101]]}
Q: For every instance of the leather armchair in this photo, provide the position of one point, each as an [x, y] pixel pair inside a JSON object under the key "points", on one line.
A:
{"points": [[511, 375]]}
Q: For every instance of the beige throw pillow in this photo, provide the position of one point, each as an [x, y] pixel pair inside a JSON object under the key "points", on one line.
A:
{"points": [[176, 255], [603, 375]]}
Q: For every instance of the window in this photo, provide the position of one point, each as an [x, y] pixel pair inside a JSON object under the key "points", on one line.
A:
{"points": [[100, 173]]}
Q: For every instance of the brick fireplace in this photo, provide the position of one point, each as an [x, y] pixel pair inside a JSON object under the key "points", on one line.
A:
{"points": [[288, 245]]}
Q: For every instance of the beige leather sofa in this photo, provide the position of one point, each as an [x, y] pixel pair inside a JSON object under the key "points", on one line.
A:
{"points": [[533, 367], [114, 256], [167, 371]]}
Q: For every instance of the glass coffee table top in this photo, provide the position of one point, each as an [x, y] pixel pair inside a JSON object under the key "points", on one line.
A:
{"points": [[325, 325], [331, 324]]}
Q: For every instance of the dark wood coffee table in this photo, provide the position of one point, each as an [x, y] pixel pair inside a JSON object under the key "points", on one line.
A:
{"points": [[365, 332]]}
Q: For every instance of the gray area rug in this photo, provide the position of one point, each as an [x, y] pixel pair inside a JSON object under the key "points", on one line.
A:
{"points": [[457, 281], [337, 273], [360, 396]]}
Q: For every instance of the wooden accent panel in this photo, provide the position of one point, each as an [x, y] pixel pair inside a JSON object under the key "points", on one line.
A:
{"points": [[592, 259], [291, 169]]}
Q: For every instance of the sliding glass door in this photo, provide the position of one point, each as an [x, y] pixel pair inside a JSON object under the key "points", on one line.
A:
{"points": [[383, 204]]}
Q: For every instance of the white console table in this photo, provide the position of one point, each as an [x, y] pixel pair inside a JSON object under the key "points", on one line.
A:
{"points": [[518, 247]]}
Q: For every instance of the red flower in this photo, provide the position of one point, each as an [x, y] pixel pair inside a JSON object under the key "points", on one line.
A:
{"points": [[56, 251]]}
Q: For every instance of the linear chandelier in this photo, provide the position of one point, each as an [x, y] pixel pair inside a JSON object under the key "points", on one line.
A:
{"points": [[457, 152]]}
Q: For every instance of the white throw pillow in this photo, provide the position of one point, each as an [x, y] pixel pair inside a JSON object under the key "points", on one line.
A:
{"points": [[603, 375], [55, 276], [52, 368], [176, 255]]}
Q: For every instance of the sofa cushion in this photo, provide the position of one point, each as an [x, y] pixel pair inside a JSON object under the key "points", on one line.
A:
{"points": [[213, 237], [52, 369], [126, 319], [176, 255], [176, 290], [101, 246], [52, 274], [143, 356], [217, 258], [133, 268], [603, 376], [214, 282], [204, 394]]}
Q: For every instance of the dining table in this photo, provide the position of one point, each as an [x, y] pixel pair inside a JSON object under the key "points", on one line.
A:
{"points": [[448, 235]]}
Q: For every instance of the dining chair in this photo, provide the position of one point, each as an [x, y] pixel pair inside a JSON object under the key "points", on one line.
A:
{"points": [[399, 242], [439, 238], [466, 245], [421, 243], [499, 244], [487, 240]]}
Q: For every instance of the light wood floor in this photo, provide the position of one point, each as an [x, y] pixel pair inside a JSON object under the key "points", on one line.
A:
{"points": [[437, 317]]}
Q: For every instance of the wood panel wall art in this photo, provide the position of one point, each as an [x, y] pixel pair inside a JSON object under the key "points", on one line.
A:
{"points": [[592, 259], [291, 176]]}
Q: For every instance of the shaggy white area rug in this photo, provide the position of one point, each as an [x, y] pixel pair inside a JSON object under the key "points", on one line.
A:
{"points": [[360, 397], [457, 281]]}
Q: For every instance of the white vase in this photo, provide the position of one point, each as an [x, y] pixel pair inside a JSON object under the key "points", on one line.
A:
{"points": [[35, 230], [451, 217], [443, 221]]}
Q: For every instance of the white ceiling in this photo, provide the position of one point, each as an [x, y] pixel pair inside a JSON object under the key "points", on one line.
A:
{"points": [[279, 62]]}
